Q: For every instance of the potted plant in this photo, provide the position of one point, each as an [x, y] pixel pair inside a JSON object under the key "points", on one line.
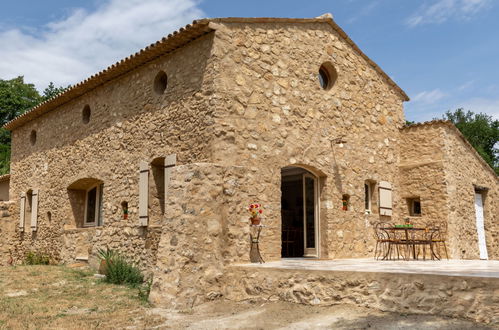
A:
{"points": [[344, 204], [255, 211], [106, 257]]}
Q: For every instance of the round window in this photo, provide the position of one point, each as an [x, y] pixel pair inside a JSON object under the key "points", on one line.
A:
{"points": [[85, 114], [160, 82], [32, 137], [327, 76]]}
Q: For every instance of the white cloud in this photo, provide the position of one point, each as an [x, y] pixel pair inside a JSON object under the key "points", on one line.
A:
{"points": [[477, 105], [84, 43], [442, 10], [466, 85], [364, 11], [429, 97]]}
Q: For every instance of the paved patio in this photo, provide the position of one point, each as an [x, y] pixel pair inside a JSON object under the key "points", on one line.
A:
{"points": [[470, 268]]}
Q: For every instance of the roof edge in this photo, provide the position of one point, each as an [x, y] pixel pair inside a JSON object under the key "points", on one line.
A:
{"points": [[453, 128], [168, 44]]}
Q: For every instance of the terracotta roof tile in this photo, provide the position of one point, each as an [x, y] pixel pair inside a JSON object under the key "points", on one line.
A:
{"points": [[167, 44]]}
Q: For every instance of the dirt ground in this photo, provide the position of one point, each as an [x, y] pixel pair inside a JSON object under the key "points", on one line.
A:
{"points": [[56, 297]]}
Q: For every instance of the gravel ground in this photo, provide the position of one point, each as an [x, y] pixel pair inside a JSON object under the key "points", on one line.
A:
{"points": [[281, 315]]}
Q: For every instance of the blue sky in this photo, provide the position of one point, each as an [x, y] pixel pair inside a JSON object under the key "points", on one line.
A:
{"points": [[443, 53]]}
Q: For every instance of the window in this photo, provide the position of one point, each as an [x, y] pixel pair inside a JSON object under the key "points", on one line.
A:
{"points": [[157, 188], [160, 82], [414, 205], [29, 206], [32, 137], [85, 114], [85, 198], [93, 207], [345, 202], [327, 76], [368, 196], [124, 209]]}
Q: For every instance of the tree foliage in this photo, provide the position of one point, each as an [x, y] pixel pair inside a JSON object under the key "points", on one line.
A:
{"points": [[16, 97], [481, 130], [52, 91]]}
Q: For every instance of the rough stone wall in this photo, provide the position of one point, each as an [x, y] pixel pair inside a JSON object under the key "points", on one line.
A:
{"points": [[454, 296], [7, 227], [4, 190], [437, 166], [465, 171], [422, 175], [197, 238], [129, 122], [271, 112]]}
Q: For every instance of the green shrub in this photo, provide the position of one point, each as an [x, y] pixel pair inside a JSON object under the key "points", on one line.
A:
{"points": [[106, 254], [144, 290], [36, 258], [119, 271]]}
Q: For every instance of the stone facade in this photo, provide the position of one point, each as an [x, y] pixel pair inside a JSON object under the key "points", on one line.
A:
{"points": [[439, 167], [238, 102], [125, 127], [474, 298], [4, 187]]}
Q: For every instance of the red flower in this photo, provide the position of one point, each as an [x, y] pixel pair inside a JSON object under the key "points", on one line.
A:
{"points": [[260, 211]]}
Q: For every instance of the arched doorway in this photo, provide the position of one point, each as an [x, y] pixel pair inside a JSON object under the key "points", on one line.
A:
{"points": [[299, 213]]}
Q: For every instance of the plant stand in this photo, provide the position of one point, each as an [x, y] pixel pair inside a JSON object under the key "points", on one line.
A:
{"points": [[255, 256]]}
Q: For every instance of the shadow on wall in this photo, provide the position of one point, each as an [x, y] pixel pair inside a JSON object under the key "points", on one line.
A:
{"points": [[85, 197], [157, 190]]}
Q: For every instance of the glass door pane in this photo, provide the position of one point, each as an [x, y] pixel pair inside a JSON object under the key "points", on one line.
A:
{"points": [[310, 215], [91, 205]]}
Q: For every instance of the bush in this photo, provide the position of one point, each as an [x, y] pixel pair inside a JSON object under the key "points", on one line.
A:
{"points": [[144, 290], [36, 258], [119, 271]]}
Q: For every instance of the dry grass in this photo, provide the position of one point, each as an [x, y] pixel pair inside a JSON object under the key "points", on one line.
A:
{"points": [[57, 297]]}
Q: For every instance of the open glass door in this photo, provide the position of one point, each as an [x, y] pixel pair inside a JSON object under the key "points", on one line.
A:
{"points": [[482, 245], [310, 215]]}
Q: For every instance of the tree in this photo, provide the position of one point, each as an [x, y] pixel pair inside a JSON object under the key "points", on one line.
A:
{"points": [[16, 97], [52, 91], [481, 130]]}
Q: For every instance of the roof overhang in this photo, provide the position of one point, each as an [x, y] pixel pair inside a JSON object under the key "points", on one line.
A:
{"points": [[168, 44]]}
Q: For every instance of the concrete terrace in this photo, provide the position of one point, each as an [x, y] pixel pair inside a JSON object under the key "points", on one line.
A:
{"points": [[467, 268]]}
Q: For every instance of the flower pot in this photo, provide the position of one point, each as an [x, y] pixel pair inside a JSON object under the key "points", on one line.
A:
{"points": [[103, 267], [255, 221]]}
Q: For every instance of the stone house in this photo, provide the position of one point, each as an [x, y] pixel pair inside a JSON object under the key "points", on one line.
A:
{"points": [[159, 155]]}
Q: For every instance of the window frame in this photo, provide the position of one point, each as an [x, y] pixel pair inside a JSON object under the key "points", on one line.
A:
{"points": [[98, 206], [369, 187], [368, 197], [412, 212]]}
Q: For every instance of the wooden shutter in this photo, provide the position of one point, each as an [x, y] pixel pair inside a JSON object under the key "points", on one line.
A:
{"points": [[144, 193], [385, 198], [100, 218], [34, 209], [22, 213], [170, 162]]}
